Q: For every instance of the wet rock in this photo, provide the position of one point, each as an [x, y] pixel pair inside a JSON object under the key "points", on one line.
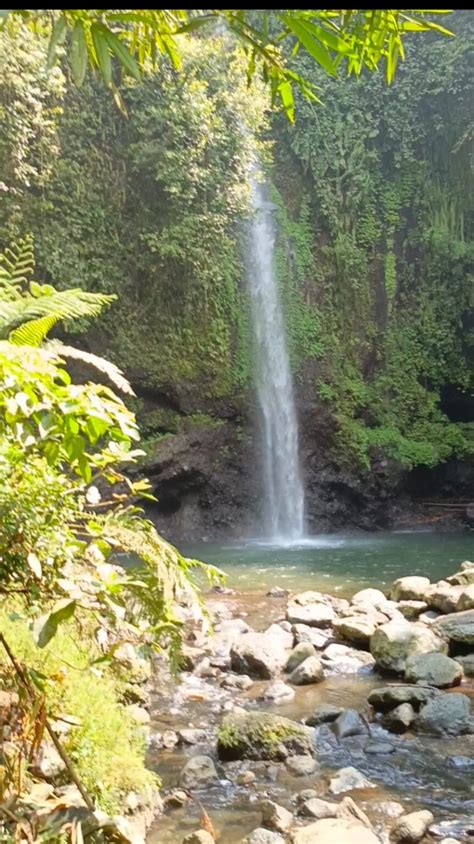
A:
{"points": [[332, 830], [394, 642], [277, 592], [237, 681], [199, 772], [391, 809], [199, 837], [314, 615], [138, 714], [301, 766], [283, 636], [411, 610], [176, 799], [369, 597], [246, 778], [192, 736], [319, 809], [374, 747], [263, 836], [348, 779], [227, 632], [169, 739], [457, 627], [356, 628], [258, 655], [323, 714], [279, 692], [300, 652], [262, 735], [467, 664], [444, 597], [399, 720], [411, 828], [223, 590], [410, 588], [276, 817], [446, 715], [340, 659], [461, 829], [349, 723], [433, 670], [309, 671], [306, 794], [466, 599], [191, 657], [387, 697], [319, 638]]}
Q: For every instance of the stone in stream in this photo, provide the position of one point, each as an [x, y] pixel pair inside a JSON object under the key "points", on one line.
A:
{"points": [[300, 652], [464, 576], [411, 610], [387, 697], [348, 779], [399, 720], [258, 655], [446, 715], [457, 627], [262, 735], [278, 692], [323, 714], [462, 829], [467, 664], [340, 659], [314, 615], [357, 628], [237, 681], [246, 778], [443, 596], [309, 671], [276, 817], [393, 643], [192, 736], [284, 636], [466, 600], [176, 799], [319, 638], [349, 723], [411, 828], [199, 837], [433, 670], [374, 747], [410, 588], [319, 809], [198, 772], [334, 831], [263, 836], [277, 592], [301, 766], [369, 597]]}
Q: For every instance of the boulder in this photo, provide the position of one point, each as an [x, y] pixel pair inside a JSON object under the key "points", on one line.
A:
{"points": [[349, 723], [314, 615], [262, 735], [309, 671], [387, 697], [375, 747], [199, 837], [279, 692], [433, 670], [323, 714], [348, 779], [198, 772], [340, 659], [334, 831], [138, 714], [276, 817], [443, 596], [464, 576], [467, 664], [299, 653], [319, 809], [466, 599], [410, 588], [394, 642], [258, 655], [263, 836], [246, 778], [399, 720], [356, 628], [277, 592], [411, 610], [176, 799], [409, 829], [284, 637], [369, 597], [315, 636], [311, 597], [226, 632], [446, 715], [457, 627], [301, 766], [237, 681], [191, 736]]}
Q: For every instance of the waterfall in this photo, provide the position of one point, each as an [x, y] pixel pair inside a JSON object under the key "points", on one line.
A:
{"points": [[282, 483]]}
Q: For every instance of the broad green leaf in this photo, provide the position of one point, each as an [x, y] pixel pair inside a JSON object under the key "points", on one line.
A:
{"points": [[57, 38], [78, 53], [314, 48], [99, 37], [126, 60], [45, 628], [286, 95]]}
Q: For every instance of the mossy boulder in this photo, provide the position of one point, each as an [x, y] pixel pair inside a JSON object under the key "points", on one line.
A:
{"points": [[262, 735]]}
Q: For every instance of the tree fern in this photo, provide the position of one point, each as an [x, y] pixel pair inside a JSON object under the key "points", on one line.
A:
{"points": [[110, 369]]}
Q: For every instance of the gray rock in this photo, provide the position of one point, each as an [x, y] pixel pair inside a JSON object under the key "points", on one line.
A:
{"points": [[314, 615], [257, 655], [323, 714], [282, 635], [176, 799], [467, 664], [410, 588], [191, 657], [349, 723], [348, 779], [262, 735], [457, 627], [299, 653], [237, 681], [433, 670], [374, 747], [464, 576], [191, 736], [394, 642], [461, 829], [198, 772], [334, 831], [399, 720], [277, 592], [263, 836], [301, 766], [246, 778], [309, 671], [138, 714], [387, 697], [356, 628], [446, 715], [340, 659], [444, 597], [319, 809], [311, 597], [306, 794], [319, 638], [199, 837], [169, 739], [369, 597], [409, 829], [276, 817], [466, 599], [411, 610], [279, 692], [48, 764]]}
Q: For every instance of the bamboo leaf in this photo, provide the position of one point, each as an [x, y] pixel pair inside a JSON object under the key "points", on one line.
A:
{"points": [[98, 32], [78, 54], [57, 38], [126, 60]]}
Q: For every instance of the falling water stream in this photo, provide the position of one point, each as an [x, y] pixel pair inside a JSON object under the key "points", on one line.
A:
{"points": [[282, 483]]}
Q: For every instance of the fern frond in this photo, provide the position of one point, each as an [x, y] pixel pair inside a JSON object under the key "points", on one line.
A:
{"points": [[17, 262], [33, 333], [110, 369], [62, 304]]}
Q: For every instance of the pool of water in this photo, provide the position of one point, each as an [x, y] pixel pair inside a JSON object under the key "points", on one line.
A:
{"points": [[342, 563]]}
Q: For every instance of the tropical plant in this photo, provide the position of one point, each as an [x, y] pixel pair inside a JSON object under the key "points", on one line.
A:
{"points": [[355, 38]]}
